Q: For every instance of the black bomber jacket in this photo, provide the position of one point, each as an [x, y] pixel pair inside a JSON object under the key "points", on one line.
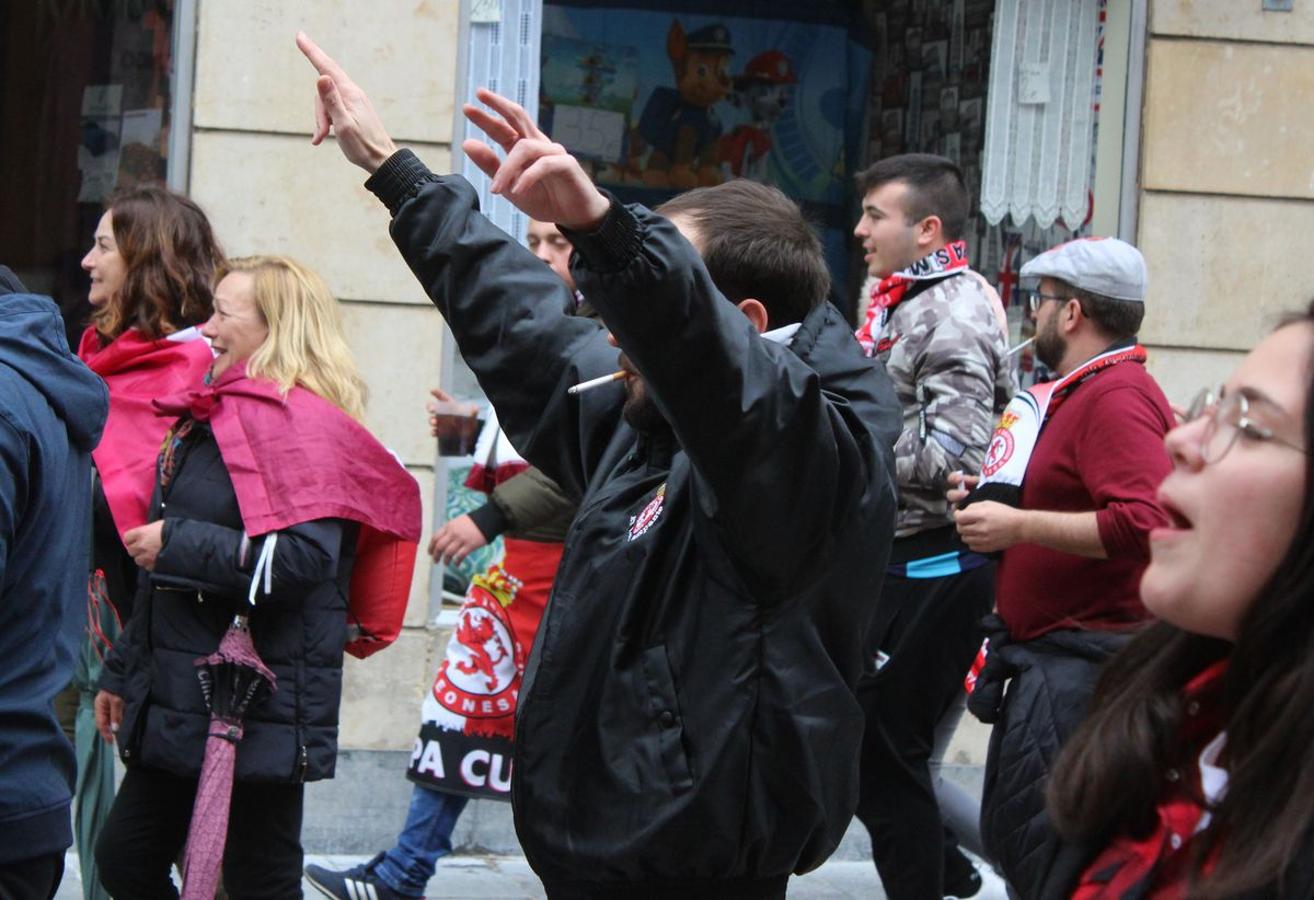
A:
{"points": [[686, 724]]}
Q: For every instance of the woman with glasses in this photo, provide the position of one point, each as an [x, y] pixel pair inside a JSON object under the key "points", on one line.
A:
{"points": [[1193, 774]]}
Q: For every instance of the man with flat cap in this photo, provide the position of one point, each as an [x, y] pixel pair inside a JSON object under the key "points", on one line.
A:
{"points": [[1067, 496]]}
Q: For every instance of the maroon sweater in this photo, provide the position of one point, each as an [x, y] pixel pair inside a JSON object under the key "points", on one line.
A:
{"points": [[1101, 450]]}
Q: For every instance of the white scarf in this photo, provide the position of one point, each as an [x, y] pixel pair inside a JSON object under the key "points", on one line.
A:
{"points": [[1014, 441]]}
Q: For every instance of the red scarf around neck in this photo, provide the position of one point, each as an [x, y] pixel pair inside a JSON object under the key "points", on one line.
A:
{"points": [[1015, 437], [1119, 353], [889, 293]]}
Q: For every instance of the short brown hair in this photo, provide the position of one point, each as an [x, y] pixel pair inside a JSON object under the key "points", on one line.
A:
{"points": [[757, 243], [169, 258], [1118, 319], [936, 187]]}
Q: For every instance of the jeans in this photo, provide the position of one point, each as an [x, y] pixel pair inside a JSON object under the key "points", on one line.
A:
{"points": [[425, 838]]}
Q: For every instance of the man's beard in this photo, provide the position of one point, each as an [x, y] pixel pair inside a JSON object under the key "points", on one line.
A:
{"points": [[1050, 346], [639, 412]]}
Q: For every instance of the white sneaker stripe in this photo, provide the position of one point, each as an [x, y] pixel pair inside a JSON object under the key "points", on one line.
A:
{"points": [[370, 889], [350, 885]]}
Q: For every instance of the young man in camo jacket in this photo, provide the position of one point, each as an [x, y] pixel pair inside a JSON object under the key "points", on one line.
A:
{"points": [[939, 329]]}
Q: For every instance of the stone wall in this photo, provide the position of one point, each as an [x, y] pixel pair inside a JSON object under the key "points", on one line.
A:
{"points": [[1227, 181], [268, 191]]}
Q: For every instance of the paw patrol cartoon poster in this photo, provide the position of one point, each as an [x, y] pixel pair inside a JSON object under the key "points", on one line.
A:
{"points": [[664, 97]]}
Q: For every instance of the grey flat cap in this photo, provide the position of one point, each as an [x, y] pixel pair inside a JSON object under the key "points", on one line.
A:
{"points": [[1104, 266]]}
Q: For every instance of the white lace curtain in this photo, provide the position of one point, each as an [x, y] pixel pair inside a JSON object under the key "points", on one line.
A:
{"points": [[1040, 116], [503, 56]]}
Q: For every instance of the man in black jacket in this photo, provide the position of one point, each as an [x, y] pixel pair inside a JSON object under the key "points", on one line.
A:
{"points": [[687, 724]]}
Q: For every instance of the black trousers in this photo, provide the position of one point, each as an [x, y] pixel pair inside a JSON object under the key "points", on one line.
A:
{"points": [[930, 627], [147, 828], [32, 879]]}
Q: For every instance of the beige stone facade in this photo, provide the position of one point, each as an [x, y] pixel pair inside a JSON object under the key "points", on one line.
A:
{"points": [[1226, 180], [268, 191]]}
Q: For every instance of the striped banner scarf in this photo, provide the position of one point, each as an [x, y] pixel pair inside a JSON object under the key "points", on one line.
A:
{"points": [[1014, 440], [889, 293]]}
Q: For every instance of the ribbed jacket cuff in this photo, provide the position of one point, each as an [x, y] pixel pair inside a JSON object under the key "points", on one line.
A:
{"points": [[399, 179], [613, 244], [490, 519]]}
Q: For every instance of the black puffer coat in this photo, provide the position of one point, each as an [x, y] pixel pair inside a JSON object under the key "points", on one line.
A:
{"points": [[687, 725], [201, 580], [1050, 681]]}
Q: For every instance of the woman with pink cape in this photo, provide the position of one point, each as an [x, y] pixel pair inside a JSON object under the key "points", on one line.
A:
{"points": [[151, 265], [269, 496]]}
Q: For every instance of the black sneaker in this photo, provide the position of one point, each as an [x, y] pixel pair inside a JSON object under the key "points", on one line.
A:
{"points": [[356, 883], [961, 879], [969, 885], [982, 883]]}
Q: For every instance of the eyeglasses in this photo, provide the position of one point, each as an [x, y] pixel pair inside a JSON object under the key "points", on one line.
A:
{"points": [[1229, 416], [1035, 300]]}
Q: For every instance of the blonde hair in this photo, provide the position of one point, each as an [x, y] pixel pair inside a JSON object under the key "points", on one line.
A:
{"points": [[307, 344]]}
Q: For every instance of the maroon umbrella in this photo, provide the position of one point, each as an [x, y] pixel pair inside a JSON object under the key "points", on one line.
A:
{"points": [[232, 678]]}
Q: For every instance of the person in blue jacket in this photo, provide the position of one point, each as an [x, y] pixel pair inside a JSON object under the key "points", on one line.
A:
{"points": [[52, 410]]}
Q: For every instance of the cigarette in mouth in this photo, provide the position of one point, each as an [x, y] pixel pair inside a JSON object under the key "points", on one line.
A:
{"points": [[595, 382], [776, 336], [1014, 351]]}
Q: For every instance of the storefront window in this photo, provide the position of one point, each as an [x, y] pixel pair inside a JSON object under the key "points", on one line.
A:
{"points": [[85, 99]]}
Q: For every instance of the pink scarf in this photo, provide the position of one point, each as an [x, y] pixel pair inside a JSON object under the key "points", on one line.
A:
{"points": [[296, 457], [137, 370]]}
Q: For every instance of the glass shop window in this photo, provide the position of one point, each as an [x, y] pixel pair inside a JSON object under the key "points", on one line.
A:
{"points": [[85, 96]]}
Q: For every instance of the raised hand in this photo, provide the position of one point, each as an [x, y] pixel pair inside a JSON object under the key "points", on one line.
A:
{"points": [[538, 177], [340, 104]]}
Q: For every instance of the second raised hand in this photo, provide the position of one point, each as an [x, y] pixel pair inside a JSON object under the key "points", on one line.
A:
{"points": [[343, 106], [537, 176]]}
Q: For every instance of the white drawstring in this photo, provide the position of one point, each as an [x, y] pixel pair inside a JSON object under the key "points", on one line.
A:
{"points": [[264, 566]]}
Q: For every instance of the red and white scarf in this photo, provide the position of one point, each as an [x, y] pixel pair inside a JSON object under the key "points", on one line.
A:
{"points": [[495, 459], [1014, 440], [950, 259]]}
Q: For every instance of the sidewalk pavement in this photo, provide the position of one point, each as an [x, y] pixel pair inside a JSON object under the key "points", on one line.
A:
{"points": [[510, 878]]}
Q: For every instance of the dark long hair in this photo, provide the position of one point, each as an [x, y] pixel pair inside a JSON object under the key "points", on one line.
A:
{"points": [[1109, 777], [169, 257]]}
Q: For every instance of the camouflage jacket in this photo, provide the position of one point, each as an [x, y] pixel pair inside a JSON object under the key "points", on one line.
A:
{"points": [[944, 348]]}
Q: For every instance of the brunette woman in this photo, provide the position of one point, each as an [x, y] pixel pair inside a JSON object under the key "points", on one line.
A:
{"points": [[1193, 775], [152, 264]]}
